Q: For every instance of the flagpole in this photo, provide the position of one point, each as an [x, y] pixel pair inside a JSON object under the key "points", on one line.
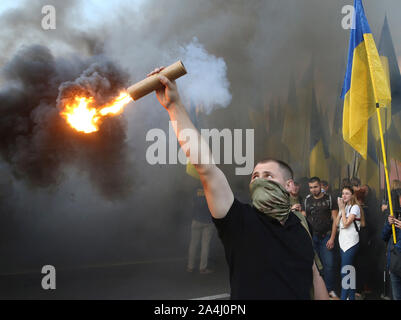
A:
{"points": [[380, 178], [357, 168], [385, 169], [354, 165]]}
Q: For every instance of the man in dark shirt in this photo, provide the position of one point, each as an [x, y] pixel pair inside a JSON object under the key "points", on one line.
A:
{"points": [[268, 250], [266, 259], [321, 212]]}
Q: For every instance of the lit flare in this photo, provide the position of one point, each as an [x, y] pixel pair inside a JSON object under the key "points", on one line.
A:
{"points": [[83, 117]]}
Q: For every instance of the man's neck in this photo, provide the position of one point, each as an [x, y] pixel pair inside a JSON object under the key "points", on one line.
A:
{"points": [[319, 196]]}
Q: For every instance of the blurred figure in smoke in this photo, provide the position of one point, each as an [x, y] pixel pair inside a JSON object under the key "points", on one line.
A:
{"points": [[201, 233], [395, 197], [360, 191], [344, 183], [267, 247], [325, 186], [387, 236], [295, 198]]}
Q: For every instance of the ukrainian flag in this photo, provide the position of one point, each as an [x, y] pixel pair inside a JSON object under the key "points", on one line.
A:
{"points": [[319, 155], [365, 83]]}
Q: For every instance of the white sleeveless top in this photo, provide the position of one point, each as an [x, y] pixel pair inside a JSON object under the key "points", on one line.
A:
{"points": [[349, 237]]}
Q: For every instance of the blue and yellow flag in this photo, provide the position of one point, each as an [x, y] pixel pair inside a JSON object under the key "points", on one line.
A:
{"points": [[387, 51], [319, 154], [365, 83]]}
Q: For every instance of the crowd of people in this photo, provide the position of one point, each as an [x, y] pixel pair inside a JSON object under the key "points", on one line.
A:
{"points": [[347, 228], [274, 251]]}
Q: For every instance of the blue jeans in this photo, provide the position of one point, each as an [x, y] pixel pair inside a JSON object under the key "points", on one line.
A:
{"points": [[347, 259], [396, 286], [327, 258]]}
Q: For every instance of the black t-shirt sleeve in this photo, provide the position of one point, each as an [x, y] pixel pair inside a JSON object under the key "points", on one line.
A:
{"points": [[334, 204], [230, 227]]}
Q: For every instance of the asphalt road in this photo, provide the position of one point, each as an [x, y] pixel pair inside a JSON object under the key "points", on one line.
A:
{"points": [[138, 280]]}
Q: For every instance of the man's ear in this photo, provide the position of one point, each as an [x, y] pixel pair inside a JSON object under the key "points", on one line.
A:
{"points": [[289, 185]]}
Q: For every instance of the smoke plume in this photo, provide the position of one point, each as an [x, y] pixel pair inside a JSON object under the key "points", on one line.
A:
{"points": [[206, 84], [37, 142]]}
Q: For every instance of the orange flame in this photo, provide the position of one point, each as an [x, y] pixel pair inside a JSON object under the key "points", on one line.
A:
{"points": [[81, 116]]}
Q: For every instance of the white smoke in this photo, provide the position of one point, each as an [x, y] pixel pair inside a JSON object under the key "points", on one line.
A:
{"points": [[206, 83]]}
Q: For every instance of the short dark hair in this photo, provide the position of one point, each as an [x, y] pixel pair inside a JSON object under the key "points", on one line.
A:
{"points": [[345, 182], [348, 187], [314, 179], [355, 182], [288, 173]]}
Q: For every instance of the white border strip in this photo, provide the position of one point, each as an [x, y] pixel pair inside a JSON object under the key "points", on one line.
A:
{"points": [[218, 296]]}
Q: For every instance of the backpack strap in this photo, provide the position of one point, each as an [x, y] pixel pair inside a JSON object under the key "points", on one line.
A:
{"points": [[356, 227], [331, 205], [357, 219], [304, 223]]}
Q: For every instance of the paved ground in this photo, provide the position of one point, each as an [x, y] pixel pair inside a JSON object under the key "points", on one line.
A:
{"points": [[154, 280], [163, 279]]}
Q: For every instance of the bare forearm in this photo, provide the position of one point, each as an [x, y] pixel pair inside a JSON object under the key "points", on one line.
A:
{"points": [[194, 146], [218, 193], [319, 287], [338, 217], [334, 226], [346, 221], [333, 230]]}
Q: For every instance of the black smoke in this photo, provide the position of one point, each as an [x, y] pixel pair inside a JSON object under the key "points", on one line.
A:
{"points": [[36, 141]]}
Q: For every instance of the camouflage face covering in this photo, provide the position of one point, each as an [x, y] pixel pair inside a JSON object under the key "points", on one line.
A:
{"points": [[270, 198]]}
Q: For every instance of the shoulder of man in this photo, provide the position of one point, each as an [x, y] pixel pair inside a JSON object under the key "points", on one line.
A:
{"points": [[303, 222], [328, 197], [307, 199], [305, 202]]}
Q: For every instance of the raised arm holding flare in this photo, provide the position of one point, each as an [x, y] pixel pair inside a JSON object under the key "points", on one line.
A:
{"points": [[267, 248], [217, 190]]}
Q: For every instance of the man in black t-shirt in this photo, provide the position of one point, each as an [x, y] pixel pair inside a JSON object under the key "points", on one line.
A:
{"points": [[267, 247], [321, 212]]}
